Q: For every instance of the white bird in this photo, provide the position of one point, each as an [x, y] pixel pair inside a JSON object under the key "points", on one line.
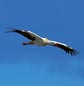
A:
{"points": [[40, 41]]}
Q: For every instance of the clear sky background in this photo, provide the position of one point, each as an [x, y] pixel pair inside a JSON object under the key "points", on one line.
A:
{"points": [[60, 20]]}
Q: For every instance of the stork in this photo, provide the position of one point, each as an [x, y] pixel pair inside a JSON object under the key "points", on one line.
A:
{"points": [[40, 41]]}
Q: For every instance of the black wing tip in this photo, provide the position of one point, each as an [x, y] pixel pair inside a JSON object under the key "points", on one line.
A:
{"points": [[73, 52], [10, 29]]}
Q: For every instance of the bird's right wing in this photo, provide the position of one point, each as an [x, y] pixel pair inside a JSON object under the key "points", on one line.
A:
{"points": [[28, 34], [64, 47]]}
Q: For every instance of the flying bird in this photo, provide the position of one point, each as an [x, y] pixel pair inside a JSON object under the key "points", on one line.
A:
{"points": [[40, 41]]}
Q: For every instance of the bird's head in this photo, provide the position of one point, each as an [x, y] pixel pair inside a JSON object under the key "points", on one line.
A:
{"points": [[45, 40]]}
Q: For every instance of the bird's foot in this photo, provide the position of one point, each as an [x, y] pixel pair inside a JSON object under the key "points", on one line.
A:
{"points": [[24, 43]]}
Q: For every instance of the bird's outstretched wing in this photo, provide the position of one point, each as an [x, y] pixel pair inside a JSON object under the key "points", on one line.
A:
{"points": [[66, 48], [28, 34]]}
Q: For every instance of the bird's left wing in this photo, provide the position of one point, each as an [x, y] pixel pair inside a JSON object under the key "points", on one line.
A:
{"points": [[28, 34]]}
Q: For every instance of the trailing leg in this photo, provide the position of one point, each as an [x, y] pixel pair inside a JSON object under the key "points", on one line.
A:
{"points": [[28, 43]]}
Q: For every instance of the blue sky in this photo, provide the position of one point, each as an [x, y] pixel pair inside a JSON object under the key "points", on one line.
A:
{"points": [[60, 20]]}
